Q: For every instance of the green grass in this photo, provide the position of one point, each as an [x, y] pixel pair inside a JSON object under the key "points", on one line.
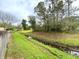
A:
{"points": [[22, 48], [59, 54], [64, 38], [26, 31], [69, 41]]}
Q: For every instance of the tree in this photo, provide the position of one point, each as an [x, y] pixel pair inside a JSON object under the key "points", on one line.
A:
{"points": [[24, 24], [50, 13], [7, 19], [32, 21], [42, 12]]}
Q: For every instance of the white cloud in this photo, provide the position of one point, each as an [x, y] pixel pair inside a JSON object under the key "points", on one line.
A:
{"points": [[76, 3], [20, 8]]}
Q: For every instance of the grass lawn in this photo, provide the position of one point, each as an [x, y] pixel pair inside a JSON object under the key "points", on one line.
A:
{"points": [[26, 31], [65, 38], [20, 47]]}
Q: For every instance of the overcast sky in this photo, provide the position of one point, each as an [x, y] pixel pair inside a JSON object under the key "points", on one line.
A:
{"points": [[21, 8]]}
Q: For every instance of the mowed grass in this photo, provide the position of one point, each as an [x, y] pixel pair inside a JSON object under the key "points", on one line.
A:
{"points": [[26, 31], [20, 47], [64, 38]]}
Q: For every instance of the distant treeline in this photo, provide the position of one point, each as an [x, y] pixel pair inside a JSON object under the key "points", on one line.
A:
{"points": [[54, 15]]}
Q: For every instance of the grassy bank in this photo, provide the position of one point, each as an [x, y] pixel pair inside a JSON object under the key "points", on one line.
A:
{"points": [[20, 47], [64, 38]]}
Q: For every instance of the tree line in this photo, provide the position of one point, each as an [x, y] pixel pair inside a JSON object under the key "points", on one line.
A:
{"points": [[54, 15]]}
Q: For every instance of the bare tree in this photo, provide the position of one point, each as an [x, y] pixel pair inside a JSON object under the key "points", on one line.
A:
{"points": [[6, 18]]}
